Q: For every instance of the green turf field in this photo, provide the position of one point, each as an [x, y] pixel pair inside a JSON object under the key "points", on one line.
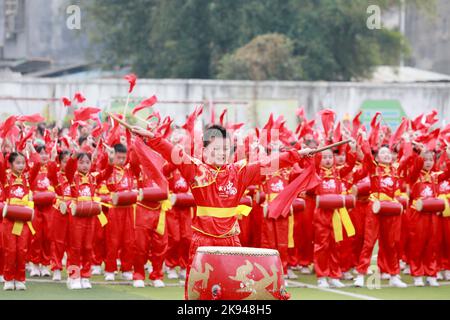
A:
{"points": [[300, 289]]}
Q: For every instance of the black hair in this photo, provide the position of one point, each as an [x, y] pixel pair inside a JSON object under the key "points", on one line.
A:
{"points": [[63, 154], [84, 154], [14, 155], [120, 148], [212, 132], [81, 140], [41, 129], [39, 148]]}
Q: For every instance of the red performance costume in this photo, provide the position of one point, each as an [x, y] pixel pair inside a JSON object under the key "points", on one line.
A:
{"points": [[16, 234]]}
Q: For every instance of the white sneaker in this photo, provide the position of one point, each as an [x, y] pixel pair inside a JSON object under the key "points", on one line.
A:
{"points": [[182, 274], [385, 276], [56, 275], [447, 275], [305, 270], [347, 276], [322, 283], [407, 270], [439, 276], [2, 279], [96, 270], [109, 276], [291, 274], [45, 272], [127, 276], [336, 283], [158, 283], [74, 283], [432, 282], [34, 271], [86, 283], [402, 264], [172, 273], [8, 286], [139, 284], [359, 281], [396, 282], [148, 267], [418, 282], [20, 285]]}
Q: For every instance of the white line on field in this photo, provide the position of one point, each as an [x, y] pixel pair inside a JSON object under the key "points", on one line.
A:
{"points": [[350, 294]]}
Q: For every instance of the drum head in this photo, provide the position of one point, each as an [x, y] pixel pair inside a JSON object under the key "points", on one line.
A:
{"points": [[242, 251]]}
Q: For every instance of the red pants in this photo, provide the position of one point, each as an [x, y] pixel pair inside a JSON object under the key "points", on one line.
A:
{"points": [[404, 241], [15, 250], [99, 247], [148, 240], [59, 236], [79, 253], [293, 255], [119, 235], [304, 238], [256, 218], [445, 247], [180, 234], [326, 254], [275, 236], [423, 244], [358, 217], [345, 248], [387, 230], [245, 235], [201, 240], [41, 244]]}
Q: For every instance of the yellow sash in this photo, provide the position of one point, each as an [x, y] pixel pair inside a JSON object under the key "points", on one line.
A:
{"points": [[223, 212], [166, 205], [18, 225], [446, 198], [291, 243], [341, 218]]}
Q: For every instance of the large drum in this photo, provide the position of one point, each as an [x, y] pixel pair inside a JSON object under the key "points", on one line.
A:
{"points": [[86, 208], [152, 195], [361, 190], [124, 198], [387, 208], [44, 198], [335, 201], [430, 205], [21, 213], [182, 200], [236, 273]]}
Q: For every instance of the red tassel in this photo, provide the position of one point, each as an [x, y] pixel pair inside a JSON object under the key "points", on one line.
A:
{"points": [[34, 118], [85, 113], [328, 117], [66, 101], [148, 103], [79, 97], [131, 78]]}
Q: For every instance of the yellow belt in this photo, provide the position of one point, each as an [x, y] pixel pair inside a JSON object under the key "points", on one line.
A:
{"points": [[164, 206], [223, 212]]}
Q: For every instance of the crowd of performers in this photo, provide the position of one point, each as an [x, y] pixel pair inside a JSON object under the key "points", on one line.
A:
{"points": [[101, 197]]}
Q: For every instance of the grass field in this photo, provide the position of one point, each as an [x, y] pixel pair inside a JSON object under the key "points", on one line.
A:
{"points": [[301, 289]]}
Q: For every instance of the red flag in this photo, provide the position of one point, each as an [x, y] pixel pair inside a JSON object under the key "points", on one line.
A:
{"points": [[31, 118], [66, 101], [22, 143], [222, 117], [417, 124], [308, 179], [131, 78], [150, 102], [98, 129], [213, 115], [356, 124], [190, 122], [431, 119], [151, 163], [79, 97], [85, 113], [300, 112], [429, 139], [7, 126], [399, 132], [327, 117], [375, 130]]}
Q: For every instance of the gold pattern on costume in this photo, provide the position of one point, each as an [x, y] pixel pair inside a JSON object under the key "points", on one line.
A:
{"points": [[195, 276]]}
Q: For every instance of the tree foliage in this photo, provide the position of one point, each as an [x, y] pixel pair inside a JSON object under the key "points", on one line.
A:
{"points": [[320, 39]]}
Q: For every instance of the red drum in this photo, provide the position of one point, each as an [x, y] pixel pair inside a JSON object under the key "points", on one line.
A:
{"points": [[86, 208], [105, 198], [335, 201], [430, 205], [260, 197], [152, 194], [387, 208], [361, 190], [404, 201], [236, 273], [124, 198], [20, 213], [298, 205], [44, 199], [182, 200], [246, 201]]}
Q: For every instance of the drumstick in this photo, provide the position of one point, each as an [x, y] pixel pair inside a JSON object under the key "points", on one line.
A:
{"points": [[337, 144], [123, 123]]}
